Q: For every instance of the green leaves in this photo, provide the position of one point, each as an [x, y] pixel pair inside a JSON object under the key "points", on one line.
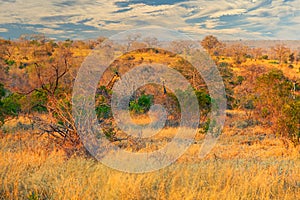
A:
{"points": [[103, 111], [142, 105], [9, 105]]}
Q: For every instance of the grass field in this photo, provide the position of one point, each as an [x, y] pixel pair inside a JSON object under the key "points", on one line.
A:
{"points": [[239, 167]]}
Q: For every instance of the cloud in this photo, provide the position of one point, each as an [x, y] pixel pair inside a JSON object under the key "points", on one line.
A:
{"points": [[269, 19], [3, 30], [228, 13]]}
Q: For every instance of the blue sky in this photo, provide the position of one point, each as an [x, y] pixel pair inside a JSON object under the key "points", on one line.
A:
{"points": [[85, 19]]}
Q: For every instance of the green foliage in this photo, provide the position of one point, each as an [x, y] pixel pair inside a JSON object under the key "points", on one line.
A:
{"points": [[33, 196], [2, 91], [145, 101], [109, 133], [103, 111], [239, 80], [204, 100], [9, 105], [274, 62], [223, 64], [10, 62], [102, 90], [142, 105], [38, 100]]}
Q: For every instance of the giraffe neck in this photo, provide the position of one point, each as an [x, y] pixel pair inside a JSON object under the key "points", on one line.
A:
{"points": [[112, 81]]}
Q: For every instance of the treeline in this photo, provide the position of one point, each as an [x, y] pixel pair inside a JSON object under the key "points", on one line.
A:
{"points": [[280, 53], [37, 75]]}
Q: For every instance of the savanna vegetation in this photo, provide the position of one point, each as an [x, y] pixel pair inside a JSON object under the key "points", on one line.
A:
{"points": [[42, 157]]}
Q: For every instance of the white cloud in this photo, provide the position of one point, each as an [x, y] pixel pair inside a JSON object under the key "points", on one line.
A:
{"points": [[49, 31], [3, 30], [195, 17], [210, 24], [228, 12]]}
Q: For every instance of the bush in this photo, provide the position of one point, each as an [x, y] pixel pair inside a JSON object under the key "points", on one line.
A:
{"points": [[239, 80], [276, 104], [2, 91], [290, 122], [204, 100], [142, 105], [103, 111], [274, 62], [10, 62], [38, 101], [291, 66], [9, 105]]}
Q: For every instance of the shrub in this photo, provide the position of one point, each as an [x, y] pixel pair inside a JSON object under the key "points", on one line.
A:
{"points": [[9, 105], [291, 66], [290, 122], [142, 105], [239, 80], [38, 101], [2, 91], [276, 104], [103, 111], [10, 62], [204, 100], [274, 62]]}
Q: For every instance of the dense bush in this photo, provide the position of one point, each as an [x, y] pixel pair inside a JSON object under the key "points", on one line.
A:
{"points": [[142, 104], [38, 101], [9, 104], [103, 111], [276, 105]]}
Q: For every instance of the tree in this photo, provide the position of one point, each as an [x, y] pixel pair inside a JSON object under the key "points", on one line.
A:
{"points": [[276, 106], [281, 53], [238, 52], [9, 104], [210, 43], [298, 57], [244, 93], [257, 53], [292, 58]]}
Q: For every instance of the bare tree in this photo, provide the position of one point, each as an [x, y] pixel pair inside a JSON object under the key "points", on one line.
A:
{"points": [[281, 53]]}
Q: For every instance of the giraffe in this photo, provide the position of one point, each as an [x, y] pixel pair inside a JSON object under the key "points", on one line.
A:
{"points": [[164, 87], [103, 90], [111, 83]]}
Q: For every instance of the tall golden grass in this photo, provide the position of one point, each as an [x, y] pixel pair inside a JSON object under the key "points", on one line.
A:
{"points": [[29, 170]]}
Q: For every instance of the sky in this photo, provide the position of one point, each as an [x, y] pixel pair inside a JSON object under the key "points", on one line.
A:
{"points": [[87, 19]]}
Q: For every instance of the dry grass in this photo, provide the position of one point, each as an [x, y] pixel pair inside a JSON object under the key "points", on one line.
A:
{"points": [[29, 170]]}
